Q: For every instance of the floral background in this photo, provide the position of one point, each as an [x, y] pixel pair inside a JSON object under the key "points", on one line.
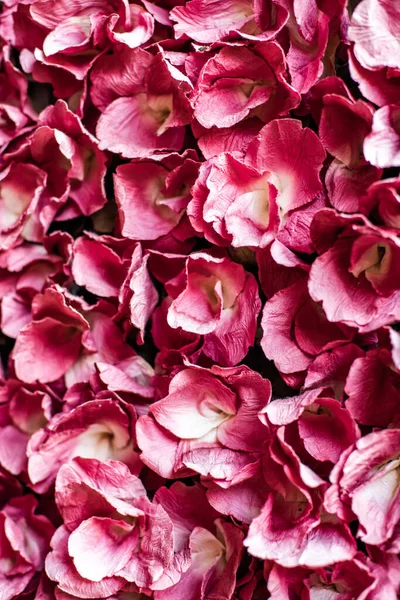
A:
{"points": [[199, 299]]}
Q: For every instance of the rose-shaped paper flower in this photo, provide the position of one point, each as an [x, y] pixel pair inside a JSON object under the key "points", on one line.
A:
{"points": [[56, 171], [316, 426], [101, 428], [111, 267], [374, 28], [296, 329], [315, 30], [365, 486], [23, 410], [174, 344], [68, 338], [239, 82], [78, 31], [348, 175], [144, 104], [20, 192], [101, 263], [374, 59], [152, 196], [24, 271], [118, 537], [292, 528], [332, 367], [356, 275], [210, 21], [242, 202], [207, 423], [25, 538], [218, 299], [210, 548]]}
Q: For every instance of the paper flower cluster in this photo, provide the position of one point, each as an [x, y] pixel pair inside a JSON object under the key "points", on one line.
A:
{"points": [[200, 299]]}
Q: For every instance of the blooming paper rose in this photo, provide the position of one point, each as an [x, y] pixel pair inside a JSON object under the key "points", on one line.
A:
{"points": [[211, 547], [238, 82], [373, 388], [384, 195], [355, 277], [316, 426], [218, 299], [25, 538], [207, 423], [208, 22], [102, 429], [296, 329], [152, 196], [243, 204], [144, 104], [118, 537], [365, 482], [382, 146], [76, 32], [16, 110], [23, 410], [110, 267], [67, 338], [173, 344], [348, 175], [331, 368], [20, 192], [292, 527], [24, 271], [374, 61], [56, 171], [315, 29]]}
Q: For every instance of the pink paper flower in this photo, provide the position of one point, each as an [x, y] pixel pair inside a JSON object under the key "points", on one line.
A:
{"points": [[126, 537], [243, 202], [207, 418], [293, 528], [210, 548], [296, 329], [24, 271], [364, 484], [218, 299], [371, 376], [17, 113], [355, 275], [208, 22], [55, 172], [152, 196], [77, 32], [67, 338], [25, 539], [374, 59], [382, 145], [102, 428], [144, 104], [312, 424], [237, 83], [23, 410]]}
